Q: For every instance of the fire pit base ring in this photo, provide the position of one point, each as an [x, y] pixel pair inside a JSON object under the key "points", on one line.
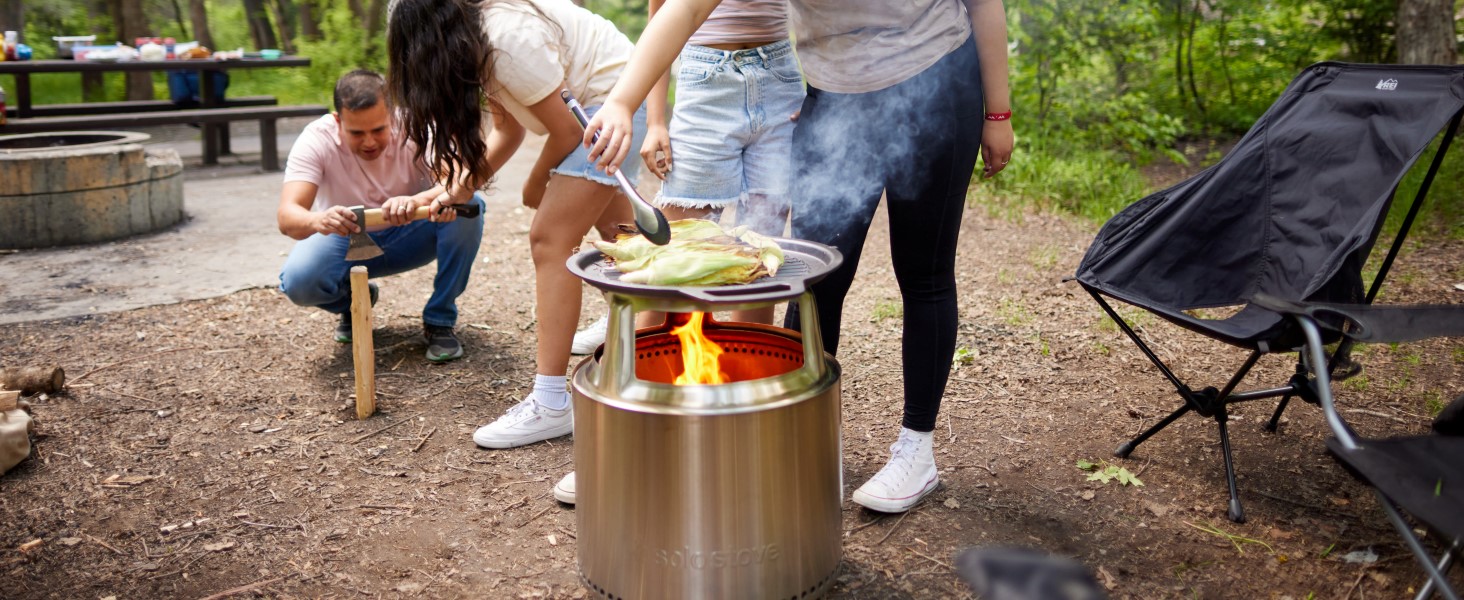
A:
{"points": [[77, 187], [811, 593]]}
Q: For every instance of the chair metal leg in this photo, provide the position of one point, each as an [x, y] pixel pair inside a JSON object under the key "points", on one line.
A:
{"points": [[1433, 572], [1444, 564], [1236, 513], [1128, 447], [1276, 416]]}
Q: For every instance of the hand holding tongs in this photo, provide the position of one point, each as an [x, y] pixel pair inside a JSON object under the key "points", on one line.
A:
{"points": [[648, 219]]}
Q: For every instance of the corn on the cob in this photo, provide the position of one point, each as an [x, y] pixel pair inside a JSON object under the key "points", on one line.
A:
{"points": [[700, 253]]}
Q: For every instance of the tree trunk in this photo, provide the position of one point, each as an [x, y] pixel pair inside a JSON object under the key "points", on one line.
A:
{"points": [[178, 17], [309, 25], [131, 23], [198, 15], [12, 17], [1426, 32], [284, 16], [357, 10], [375, 16], [260, 29]]}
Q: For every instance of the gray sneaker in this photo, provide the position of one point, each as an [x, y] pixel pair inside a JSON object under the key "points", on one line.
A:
{"points": [[343, 327], [442, 343]]}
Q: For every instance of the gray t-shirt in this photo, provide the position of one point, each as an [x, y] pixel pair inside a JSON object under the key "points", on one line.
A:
{"points": [[856, 47]]}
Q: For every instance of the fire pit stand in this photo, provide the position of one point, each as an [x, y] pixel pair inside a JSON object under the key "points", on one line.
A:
{"points": [[730, 490]]}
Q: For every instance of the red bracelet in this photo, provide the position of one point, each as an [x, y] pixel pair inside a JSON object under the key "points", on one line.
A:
{"points": [[1001, 116]]}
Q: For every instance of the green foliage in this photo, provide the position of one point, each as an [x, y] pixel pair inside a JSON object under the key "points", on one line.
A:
{"points": [[1101, 89], [887, 309], [964, 356], [1103, 472]]}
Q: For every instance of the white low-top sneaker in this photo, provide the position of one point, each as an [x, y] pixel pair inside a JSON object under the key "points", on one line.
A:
{"points": [[589, 338], [564, 490], [527, 422], [907, 478]]}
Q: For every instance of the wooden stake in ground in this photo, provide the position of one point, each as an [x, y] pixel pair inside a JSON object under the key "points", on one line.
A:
{"points": [[33, 380], [361, 344]]}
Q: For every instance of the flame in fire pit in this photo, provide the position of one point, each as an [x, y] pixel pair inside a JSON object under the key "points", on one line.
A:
{"points": [[699, 355]]}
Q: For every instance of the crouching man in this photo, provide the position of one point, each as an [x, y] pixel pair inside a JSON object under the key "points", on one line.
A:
{"points": [[358, 156]]}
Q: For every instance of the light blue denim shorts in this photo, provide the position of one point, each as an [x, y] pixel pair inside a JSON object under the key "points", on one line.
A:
{"points": [[578, 163], [730, 130]]}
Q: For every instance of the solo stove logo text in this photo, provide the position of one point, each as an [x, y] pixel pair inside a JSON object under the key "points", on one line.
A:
{"points": [[685, 558]]}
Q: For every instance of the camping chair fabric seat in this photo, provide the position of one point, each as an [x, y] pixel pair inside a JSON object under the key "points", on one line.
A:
{"points": [[1424, 475], [1292, 211], [1421, 475]]}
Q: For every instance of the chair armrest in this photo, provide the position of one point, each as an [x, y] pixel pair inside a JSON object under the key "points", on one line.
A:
{"points": [[1373, 324]]}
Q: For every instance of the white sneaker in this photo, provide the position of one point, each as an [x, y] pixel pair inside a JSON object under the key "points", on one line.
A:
{"points": [[907, 478], [527, 422], [564, 490], [588, 339]]}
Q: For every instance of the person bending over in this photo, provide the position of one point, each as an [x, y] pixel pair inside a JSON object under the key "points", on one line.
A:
{"points": [[357, 156]]}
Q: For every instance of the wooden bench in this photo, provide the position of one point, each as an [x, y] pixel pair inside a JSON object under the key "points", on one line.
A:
{"points": [[130, 106], [266, 115]]}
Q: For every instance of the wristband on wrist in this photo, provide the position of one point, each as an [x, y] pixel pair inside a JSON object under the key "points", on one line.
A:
{"points": [[999, 116]]}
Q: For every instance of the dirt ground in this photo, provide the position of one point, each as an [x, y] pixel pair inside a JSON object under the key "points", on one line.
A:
{"points": [[212, 444]]}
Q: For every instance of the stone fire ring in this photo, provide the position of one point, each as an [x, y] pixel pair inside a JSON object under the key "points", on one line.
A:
{"points": [[77, 187]]}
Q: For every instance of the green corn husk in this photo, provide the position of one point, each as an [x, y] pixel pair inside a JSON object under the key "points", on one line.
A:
{"points": [[700, 253]]}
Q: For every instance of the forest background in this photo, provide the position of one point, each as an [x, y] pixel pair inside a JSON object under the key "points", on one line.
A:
{"points": [[1101, 89]]}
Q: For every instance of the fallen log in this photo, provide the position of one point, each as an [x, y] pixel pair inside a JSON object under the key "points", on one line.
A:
{"points": [[33, 380]]}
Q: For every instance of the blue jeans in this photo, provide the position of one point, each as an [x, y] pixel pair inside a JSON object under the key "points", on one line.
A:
{"points": [[317, 274], [731, 136], [577, 163]]}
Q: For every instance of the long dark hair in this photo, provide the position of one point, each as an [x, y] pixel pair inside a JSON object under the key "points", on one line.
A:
{"points": [[437, 58]]}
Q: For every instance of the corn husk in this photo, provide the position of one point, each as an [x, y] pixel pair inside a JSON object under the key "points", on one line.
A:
{"points": [[700, 253]]}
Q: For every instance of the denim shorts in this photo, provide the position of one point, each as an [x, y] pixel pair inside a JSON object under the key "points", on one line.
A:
{"points": [[730, 130], [578, 163]]}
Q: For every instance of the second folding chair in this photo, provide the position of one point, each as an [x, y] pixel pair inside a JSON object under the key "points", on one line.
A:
{"points": [[1292, 211]]}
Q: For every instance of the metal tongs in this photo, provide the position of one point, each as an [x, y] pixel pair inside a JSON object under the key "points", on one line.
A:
{"points": [[648, 219]]}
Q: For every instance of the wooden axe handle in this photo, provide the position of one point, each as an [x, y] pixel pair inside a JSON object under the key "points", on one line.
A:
{"points": [[375, 218]]}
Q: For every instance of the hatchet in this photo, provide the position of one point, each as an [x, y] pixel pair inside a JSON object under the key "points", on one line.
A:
{"points": [[362, 247]]}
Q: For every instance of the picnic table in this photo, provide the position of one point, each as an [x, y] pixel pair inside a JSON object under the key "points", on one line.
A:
{"points": [[214, 115]]}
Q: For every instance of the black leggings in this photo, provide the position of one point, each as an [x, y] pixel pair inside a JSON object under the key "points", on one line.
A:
{"points": [[915, 143]]}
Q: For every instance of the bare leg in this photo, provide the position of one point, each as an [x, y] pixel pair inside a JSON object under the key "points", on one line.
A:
{"points": [[571, 206]]}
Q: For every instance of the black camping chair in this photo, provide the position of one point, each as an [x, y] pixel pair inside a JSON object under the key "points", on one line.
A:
{"points": [[1422, 475], [1292, 211]]}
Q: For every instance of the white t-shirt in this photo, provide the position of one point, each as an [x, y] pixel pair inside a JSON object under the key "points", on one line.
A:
{"points": [[851, 50], [321, 157], [532, 57]]}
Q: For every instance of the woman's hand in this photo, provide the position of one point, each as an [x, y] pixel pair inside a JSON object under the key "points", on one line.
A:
{"points": [[613, 123], [337, 220], [439, 210], [656, 151], [997, 140], [534, 188], [398, 210]]}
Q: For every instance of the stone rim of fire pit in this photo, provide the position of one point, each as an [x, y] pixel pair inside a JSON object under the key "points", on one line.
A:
{"points": [[104, 138], [105, 187]]}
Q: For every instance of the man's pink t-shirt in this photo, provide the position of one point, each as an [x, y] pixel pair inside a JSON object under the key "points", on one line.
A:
{"points": [[321, 157]]}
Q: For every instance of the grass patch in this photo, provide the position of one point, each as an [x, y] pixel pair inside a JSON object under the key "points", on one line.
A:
{"points": [[1044, 259], [887, 309], [1433, 402], [1013, 313]]}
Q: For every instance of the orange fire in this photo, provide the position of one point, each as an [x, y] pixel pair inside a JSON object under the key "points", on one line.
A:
{"points": [[699, 356]]}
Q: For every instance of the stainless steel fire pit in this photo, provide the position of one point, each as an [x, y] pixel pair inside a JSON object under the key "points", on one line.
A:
{"points": [[730, 490]]}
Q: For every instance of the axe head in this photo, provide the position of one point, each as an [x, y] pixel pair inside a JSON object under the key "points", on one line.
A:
{"points": [[361, 246]]}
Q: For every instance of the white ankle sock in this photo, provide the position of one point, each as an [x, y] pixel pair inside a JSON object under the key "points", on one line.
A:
{"points": [[550, 392]]}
